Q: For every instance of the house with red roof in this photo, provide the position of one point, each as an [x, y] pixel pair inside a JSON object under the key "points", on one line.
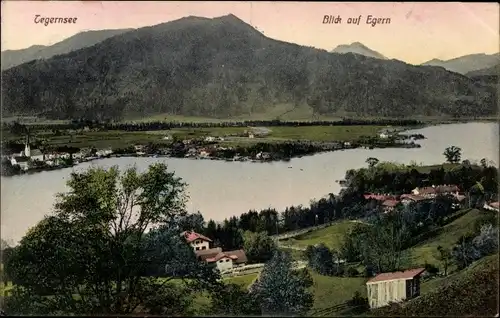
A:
{"points": [[393, 287], [227, 260], [389, 205], [410, 198], [222, 260], [197, 241], [432, 192], [492, 206]]}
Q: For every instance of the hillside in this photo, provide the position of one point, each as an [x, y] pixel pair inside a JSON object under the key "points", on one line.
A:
{"points": [[471, 292], [494, 70], [358, 48], [11, 58], [466, 63], [223, 68]]}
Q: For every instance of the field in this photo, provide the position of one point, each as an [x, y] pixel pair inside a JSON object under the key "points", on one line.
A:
{"points": [[122, 139], [286, 112], [331, 236], [446, 237], [324, 133]]}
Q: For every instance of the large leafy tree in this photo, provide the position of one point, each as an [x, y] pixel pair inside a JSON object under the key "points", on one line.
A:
{"points": [[94, 253], [321, 259], [280, 290], [453, 154], [259, 247]]}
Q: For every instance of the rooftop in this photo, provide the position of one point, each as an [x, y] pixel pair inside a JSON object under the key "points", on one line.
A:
{"points": [[408, 274], [390, 203], [238, 256], [192, 236]]}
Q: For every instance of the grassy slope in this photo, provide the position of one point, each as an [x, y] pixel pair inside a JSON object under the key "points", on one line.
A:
{"points": [[332, 291], [331, 236], [446, 237]]}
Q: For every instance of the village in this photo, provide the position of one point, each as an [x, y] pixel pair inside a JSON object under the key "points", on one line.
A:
{"points": [[388, 202], [249, 145]]}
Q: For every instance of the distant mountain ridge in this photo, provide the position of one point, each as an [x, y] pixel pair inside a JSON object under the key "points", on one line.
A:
{"points": [[358, 48], [224, 68], [494, 70], [11, 58], [467, 63]]}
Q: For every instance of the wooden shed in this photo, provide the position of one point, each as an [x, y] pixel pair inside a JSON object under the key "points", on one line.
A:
{"points": [[393, 287]]}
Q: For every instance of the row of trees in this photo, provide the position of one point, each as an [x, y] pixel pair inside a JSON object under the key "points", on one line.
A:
{"points": [[19, 129]]}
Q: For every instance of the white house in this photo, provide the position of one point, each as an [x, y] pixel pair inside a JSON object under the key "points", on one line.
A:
{"points": [[204, 153], [36, 154], [224, 261], [214, 256], [384, 135], [22, 162], [197, 241], [209, 138]]}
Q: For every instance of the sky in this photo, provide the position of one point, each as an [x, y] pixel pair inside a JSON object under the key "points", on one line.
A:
{"points": [[418, 32]]}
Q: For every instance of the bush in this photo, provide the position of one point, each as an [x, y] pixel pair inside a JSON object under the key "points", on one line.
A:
{"points": [[352, 272], [431, 269], [359, 303]]}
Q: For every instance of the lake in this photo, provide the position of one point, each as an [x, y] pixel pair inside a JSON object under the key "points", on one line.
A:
{"points": [[220, 189]]}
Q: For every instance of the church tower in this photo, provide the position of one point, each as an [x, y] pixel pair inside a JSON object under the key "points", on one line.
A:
{"points": [[27, 150]]}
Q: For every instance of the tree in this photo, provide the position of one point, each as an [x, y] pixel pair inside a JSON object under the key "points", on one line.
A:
{"points": [[279, 291], [464, 252], [259, 247], [484, 163], [385, 241], [372, 162], [453, 154], [193, 222], [93, 254], [444, 256], [320, 259], [486, 242], [233, 300]]}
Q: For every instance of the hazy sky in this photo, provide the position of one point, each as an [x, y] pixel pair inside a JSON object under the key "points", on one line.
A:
{"points": [[418, 31]]}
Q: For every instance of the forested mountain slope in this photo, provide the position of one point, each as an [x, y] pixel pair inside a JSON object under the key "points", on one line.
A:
{"points": [[78, 41], [223, 67]]}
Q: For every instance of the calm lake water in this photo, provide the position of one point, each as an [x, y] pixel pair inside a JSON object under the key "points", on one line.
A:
{"points": [[220, 189]]}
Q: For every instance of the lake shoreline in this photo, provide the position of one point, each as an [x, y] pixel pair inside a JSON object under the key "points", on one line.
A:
{"points": [[223, 189], [320, 147]]}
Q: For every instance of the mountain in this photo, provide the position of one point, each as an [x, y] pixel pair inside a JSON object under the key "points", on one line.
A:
{"points": [[467, 63], [358, 48], [12, 58], [223, 67], [494, 70]]}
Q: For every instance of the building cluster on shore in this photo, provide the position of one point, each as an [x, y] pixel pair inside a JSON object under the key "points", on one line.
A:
{"points": [[207, 147], [389, 202]]}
